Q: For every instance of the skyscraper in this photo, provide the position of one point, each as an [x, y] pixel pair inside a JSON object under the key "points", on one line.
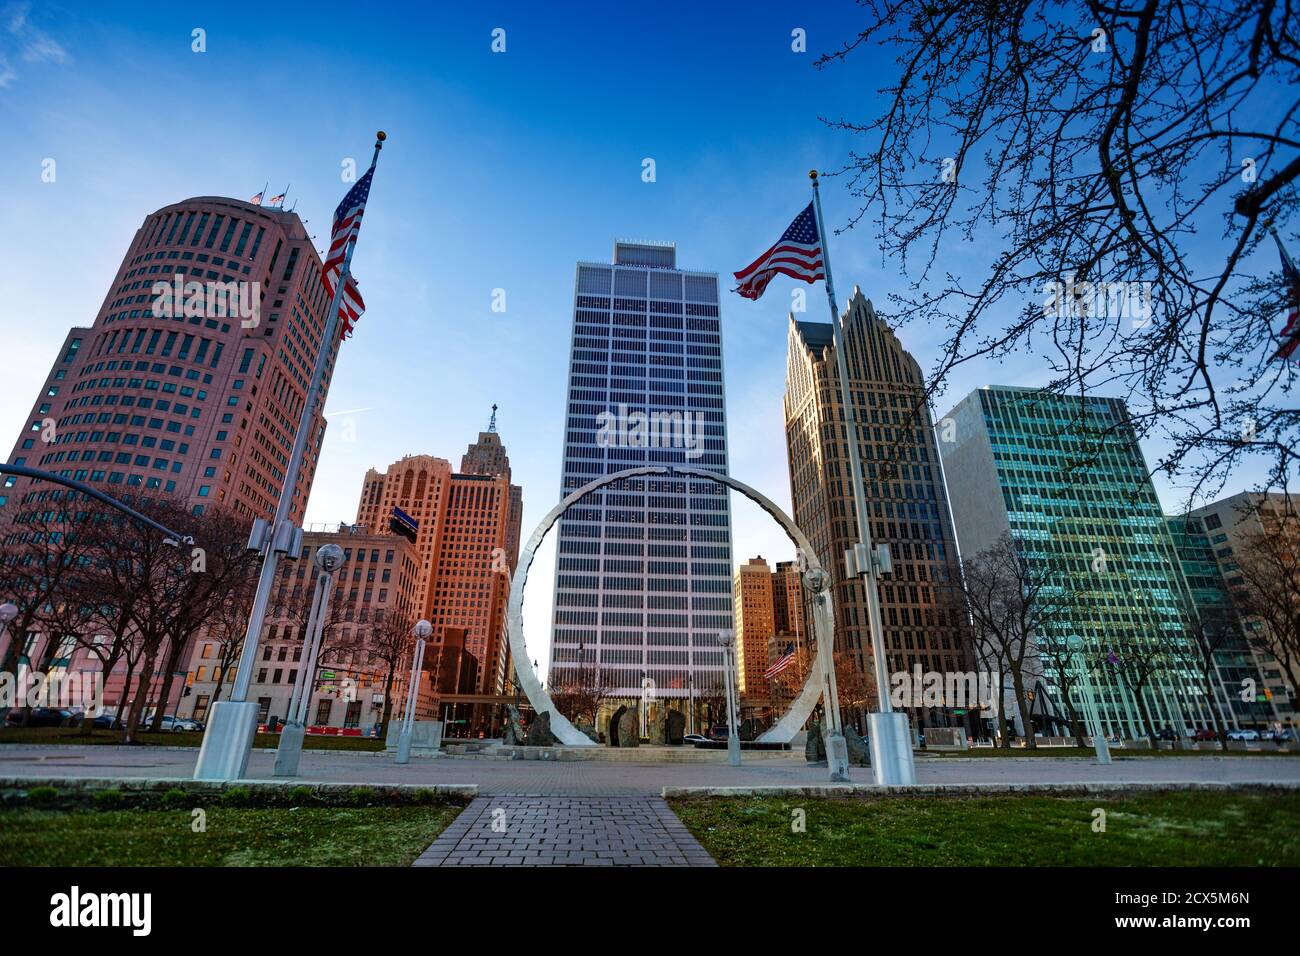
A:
{"points": [[1066, 479], [755, 624], [904, 491], [643, 567], [193, 376], [467, 535]]}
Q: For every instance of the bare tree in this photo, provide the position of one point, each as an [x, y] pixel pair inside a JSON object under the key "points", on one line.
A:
{"points": [[1123, 161], [1268, 562], [579, 689], [1207, 633], [388, 644], [1015, 600], [42, 545]]}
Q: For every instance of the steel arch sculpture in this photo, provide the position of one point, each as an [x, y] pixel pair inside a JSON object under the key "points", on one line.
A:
{"points": [[799, 711]]}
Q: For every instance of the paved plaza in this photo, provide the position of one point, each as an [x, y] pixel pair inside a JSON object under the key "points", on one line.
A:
{"points": [[592, 778], [597, 813]]}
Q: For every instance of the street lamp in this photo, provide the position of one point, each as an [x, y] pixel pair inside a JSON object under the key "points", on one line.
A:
{"points": [[422, 630], [328, 559], [728, 642]]}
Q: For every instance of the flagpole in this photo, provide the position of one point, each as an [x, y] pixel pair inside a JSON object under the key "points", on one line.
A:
{"points": [[891, 749], [228, 740]]}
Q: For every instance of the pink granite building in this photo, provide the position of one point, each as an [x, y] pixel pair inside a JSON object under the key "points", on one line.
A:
{"points": [[193, 376]]}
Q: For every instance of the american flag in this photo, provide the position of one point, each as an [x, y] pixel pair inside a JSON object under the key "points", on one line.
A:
{"points": [[798, 254], [781, 663], [256, 200], [1289, 337], [276, 200], [347, 223]]}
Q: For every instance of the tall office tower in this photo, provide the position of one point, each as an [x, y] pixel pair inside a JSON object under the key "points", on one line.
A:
{"points": [[643, 567], [1236, 665], [1231, 524], [196, 394], [1065, 478], [487, 456], [904, 492], [755, 624], [462, 523], [788, 600]]}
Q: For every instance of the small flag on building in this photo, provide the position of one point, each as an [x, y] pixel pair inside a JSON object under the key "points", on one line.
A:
{"points": [[1112, 658], [256, 200], [276, 200], [1289, 337], [399, 522], [798, 254], [781, 663]]}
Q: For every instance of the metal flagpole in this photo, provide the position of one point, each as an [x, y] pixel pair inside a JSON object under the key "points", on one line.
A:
{"points": [[890, 735], [228, 740]]}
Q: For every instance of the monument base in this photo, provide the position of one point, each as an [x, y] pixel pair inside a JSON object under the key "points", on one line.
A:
{"points": [[232, 725], [890, 739], [837, 757], [425, 739], [289, 750]]}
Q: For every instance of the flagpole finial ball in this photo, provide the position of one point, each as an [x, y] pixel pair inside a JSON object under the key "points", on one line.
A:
{"points": [[812, 174], [381, 136]]}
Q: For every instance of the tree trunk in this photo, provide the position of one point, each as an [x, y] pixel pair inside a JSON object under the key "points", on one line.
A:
{"points": [[175, 650], [1146, 717], [388, 704], [132, 729], [1219, 732], [1022, 704]]}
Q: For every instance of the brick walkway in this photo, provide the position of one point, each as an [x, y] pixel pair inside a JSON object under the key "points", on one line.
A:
{"points": [[566, 831]]}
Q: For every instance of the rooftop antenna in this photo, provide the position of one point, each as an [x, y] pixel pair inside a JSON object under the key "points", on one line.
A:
{"points": [[492, 424]]}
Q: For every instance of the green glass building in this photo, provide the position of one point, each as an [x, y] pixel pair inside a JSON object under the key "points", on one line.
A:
{"points": [[1064, 476]]}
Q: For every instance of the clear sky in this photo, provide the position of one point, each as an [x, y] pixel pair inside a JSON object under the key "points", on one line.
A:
{"points": [[500, 172]]}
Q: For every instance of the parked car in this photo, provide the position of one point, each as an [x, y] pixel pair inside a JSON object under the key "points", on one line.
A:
{"points": [[693, 739], [1243, 735], [1204, 733], [42, 717], [106, 721]]}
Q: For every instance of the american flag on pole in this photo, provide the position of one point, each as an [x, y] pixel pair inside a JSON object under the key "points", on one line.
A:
{"points": [[781, 663], [1289, 337], [798, 254], [347, 223]]}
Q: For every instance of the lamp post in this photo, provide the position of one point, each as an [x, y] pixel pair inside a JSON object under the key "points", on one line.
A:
{"points": [[728, 642], [288, 752], [422, 630]]}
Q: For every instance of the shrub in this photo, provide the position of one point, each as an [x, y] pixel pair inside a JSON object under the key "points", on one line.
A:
{"points": [[42, 796], [425, 795], [360, 796], [299, 795], [176, 798], [235, 797], [108, 799]]}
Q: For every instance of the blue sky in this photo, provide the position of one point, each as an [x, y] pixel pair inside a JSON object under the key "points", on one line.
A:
{"points": [[501, 170]]}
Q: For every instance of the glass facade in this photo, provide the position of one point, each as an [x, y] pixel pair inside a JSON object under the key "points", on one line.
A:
{"points": [[1066, 478], [643, 567]]}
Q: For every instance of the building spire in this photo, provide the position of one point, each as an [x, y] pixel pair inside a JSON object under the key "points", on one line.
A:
{"points": [[492, 424]]}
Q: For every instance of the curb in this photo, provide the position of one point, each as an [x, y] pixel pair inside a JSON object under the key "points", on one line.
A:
{"points": [[466, 791], [975, 789]]}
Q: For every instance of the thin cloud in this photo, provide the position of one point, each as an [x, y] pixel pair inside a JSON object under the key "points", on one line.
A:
{"points": [[25, 41]]}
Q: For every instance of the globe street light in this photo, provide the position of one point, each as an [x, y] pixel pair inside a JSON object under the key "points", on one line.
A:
{"points": [[728, 642], [288, 752], [422, 630]]}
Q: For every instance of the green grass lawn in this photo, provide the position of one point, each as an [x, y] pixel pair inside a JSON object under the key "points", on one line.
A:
{"points": [[303, 836], [1157, 829], [180, 738]]}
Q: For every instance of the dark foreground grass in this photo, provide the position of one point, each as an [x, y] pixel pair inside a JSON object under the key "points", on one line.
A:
{"points": [[1156, 829], [302, 836], [179, 738]]}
